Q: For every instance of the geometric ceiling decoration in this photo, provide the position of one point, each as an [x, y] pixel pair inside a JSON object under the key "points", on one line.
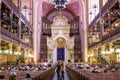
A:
{"points": [[60, 20], [65, 12], [46, 7], [71, 10], [60, 4], [74, 7]]}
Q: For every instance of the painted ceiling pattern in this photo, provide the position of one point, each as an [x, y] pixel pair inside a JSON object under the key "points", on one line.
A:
{"points": [[74, 7], [60, 20], [46, 7], [70, 10], [55, 13]]}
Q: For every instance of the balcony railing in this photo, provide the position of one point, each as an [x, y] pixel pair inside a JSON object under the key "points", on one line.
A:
{"points": [[107, 6], [9, 34], [107, 36], [111, 34], [27, 45], [93, 44], [96, 19], [26, 21], [104, 10], [5, 32], [16, 11]]}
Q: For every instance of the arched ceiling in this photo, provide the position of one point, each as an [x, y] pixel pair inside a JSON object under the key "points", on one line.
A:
{"points": [[70, 11], [53, 13], [46, 7], [74, 7]]}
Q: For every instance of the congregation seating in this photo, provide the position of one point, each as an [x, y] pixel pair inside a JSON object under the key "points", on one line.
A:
{"points": [[46, 75], [77, 73], [22, 72]]}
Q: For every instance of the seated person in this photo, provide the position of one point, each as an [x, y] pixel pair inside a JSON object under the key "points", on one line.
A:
{"points": [[28, 75], [2, 76]]}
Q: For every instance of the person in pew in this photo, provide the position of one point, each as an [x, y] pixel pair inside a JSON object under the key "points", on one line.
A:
{"points": [[2, 76], [12, 75], [28, 76]]}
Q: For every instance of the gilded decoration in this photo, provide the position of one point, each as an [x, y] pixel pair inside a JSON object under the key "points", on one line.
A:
{"points": [[60, 42]]}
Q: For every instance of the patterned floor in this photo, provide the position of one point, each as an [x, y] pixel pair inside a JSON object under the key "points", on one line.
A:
{"points": [[65, 75]]}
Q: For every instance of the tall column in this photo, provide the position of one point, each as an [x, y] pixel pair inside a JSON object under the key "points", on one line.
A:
{"points": [[35, 39], [19, 6], [86, 35], [55, 55], [101, 20], [37, 27], [66, 55], [10, 52], [52, 55], [83, 32], [0, 18]]}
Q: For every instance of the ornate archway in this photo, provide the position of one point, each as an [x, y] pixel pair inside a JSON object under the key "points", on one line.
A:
{"points": [[37, 24], [60, 45]]}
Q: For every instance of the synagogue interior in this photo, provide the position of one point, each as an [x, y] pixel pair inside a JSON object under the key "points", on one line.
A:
{"points": [[59, 39]]}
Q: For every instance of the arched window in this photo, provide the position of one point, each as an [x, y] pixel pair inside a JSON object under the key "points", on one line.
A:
{"points": [[93, 9]]}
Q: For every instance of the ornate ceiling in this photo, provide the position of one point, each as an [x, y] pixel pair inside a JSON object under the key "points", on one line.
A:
{"points": [[74, 7], [46, 7], [70, 11], [53, 13], [60, 20]]}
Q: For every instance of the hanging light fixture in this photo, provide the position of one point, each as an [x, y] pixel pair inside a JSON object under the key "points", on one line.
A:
{"points": [[60, 4]]}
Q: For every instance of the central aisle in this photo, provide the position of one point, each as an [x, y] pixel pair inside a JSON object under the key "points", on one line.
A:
{"points": [[66, 77]]}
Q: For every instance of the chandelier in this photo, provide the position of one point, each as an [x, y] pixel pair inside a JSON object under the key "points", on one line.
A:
{"points": [[60, 4]]}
